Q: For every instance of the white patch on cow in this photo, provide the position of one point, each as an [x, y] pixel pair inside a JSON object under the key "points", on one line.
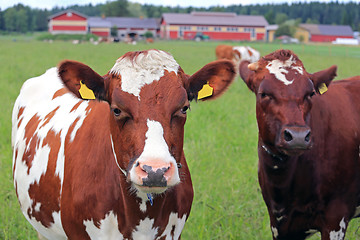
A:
{"points": [[144, 199], [277, 68], [108, 228], [339, 235], [155, 148], [244, 52], [55, 231], [144, 69], [36, 99], [145, 230], [175, 226], [37, 207], [274, 231]]}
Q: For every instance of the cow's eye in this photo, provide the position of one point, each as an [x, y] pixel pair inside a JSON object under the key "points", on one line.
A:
{"points": [[116, 112], [265, 95], [309, 96], [184, 109]]}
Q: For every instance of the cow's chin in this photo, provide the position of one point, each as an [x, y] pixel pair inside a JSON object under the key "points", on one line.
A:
{"points": [[293, 152], [146, 189]]}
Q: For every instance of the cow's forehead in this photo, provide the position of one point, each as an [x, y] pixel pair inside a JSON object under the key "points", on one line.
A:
{"points": [[143, 68], [281, 69]]}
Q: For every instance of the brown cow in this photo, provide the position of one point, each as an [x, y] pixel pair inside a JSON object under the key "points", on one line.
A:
{"points": [[308, 146], [111, 168]]}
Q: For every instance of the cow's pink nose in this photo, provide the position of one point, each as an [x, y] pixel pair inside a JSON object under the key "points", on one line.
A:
{"points": [[154, 172]]}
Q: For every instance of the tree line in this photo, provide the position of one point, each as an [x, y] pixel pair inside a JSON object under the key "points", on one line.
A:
{"points": [[21, 18]]}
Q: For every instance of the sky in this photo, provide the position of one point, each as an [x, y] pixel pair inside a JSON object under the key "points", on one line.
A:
{"points": [[49, 4]]}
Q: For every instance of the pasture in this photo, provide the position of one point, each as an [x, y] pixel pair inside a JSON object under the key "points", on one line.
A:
{"points": [[220, 136]]}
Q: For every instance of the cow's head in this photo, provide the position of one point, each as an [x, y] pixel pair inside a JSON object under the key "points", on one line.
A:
{"points": [[148, 95], [284, 95]]}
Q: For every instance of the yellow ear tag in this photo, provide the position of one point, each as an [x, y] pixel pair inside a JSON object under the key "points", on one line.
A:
{"points": [[206, 91], [85, 92], [323, 88]]}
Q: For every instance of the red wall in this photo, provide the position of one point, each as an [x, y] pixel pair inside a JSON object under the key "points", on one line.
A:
{"points": [[69, 28], [326, 38], [260, 36], [74, 17], [100, 34]]}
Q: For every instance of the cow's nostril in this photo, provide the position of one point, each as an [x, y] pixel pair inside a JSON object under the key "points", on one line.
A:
{"points": [[307, 137], [287, 136], [147, 168]]}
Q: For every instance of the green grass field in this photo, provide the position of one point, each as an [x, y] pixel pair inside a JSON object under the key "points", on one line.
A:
{"points": [[220, 136]]}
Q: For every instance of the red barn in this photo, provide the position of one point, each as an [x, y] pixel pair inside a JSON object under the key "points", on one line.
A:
{"points": [[68, 21], [327, 33], [216, 25]]}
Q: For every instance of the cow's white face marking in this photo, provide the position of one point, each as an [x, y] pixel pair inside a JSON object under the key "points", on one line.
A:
{"points": [[155, 148], [144, 69], [277, 68], [108, 228], [339, 235]]}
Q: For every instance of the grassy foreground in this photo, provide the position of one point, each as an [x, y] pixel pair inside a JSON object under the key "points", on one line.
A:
{"points": [[220, 136]]}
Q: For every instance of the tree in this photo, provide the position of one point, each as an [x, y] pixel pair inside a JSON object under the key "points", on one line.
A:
{"points": [[280, 18], [285, 29], [114, 31], [21, 23], [270, 17], [10, 19], [135, 10], [118, 8]]}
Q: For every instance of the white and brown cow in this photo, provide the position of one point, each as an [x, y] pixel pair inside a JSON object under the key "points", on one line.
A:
{"points": [[111, 168], [237, 54]]}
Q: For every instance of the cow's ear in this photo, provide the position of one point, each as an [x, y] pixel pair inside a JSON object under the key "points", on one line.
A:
{"points": [[80, 79], [210, 81], [247, 74], [323, 78]]}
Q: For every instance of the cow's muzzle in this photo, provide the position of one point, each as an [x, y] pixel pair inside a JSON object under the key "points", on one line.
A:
{"points": [[155, 175], [294, 140], [155, 178]]}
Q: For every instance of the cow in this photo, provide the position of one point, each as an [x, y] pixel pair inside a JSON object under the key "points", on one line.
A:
{"points": [[112, 167], [237, 54], [308, 146]]}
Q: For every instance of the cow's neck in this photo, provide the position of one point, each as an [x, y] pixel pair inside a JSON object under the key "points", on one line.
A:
{"points": [[277, 168], [280, 174]]}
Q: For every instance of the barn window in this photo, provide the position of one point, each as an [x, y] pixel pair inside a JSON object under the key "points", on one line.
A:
{"points": [[251, 31], [232, 29], [200, 28], [69, 14]]}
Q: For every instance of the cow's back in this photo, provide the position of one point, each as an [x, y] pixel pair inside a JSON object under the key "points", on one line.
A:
{"points": [[340, 105], [45, 115], [224, 52]]}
